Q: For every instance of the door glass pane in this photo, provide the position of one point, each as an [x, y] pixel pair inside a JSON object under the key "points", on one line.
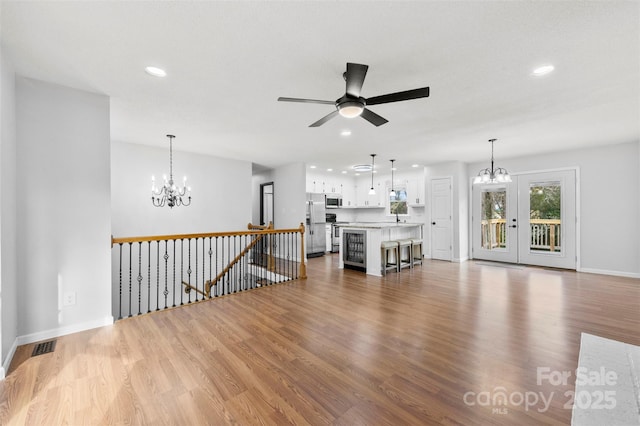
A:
{"points": [[544, 217], [493, 220]]}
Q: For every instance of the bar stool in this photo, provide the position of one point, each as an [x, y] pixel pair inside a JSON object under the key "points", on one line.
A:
{"points": [[387, 247], [416, 250], [404, 247]]}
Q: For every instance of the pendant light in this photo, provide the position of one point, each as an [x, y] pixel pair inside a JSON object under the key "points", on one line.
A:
{"points": [[392, 193], [373, 161], [492, 175]]}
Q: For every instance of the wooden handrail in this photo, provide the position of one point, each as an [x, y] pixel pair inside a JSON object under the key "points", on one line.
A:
{"points": [[267, 231], [259, 227], [235, 260]]}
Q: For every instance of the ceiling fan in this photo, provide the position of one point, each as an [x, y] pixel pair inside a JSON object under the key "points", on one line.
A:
{"points": [[352, 104]]}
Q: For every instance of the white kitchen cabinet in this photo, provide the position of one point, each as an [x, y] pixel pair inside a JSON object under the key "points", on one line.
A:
{"points": [[364, 199], [349, 196], [415, 192], [311, 185]]}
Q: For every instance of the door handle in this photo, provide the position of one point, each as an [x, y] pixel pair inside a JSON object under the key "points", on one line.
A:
{"points": [[513, 226], [433, 223]]}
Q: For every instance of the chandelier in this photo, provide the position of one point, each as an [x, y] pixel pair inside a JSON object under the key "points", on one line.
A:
{"points": [[169, 194], [492, 175]]}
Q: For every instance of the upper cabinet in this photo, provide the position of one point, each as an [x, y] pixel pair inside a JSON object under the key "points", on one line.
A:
{"points": [[324, 184], [349, 195], [364, 199], [415, 192]]}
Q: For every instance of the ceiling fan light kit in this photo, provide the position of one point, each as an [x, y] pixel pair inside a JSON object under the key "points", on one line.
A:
{"points": [[352, 105]]}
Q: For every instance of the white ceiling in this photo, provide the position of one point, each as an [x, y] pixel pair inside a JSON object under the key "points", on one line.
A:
{"points": [[228, 62]]}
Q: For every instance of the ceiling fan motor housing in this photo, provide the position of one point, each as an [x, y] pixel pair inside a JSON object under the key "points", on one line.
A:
{"points": [[349, 106]]}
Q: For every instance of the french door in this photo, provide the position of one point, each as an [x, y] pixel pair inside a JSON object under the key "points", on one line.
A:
{"points": [[531, 220]]}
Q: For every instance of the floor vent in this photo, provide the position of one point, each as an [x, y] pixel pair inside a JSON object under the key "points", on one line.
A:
{"points": [[44, 348]]}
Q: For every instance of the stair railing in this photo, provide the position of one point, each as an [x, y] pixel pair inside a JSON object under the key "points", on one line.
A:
{"points": [[150, 273]]}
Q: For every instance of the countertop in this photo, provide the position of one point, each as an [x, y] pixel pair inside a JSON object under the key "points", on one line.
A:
{"points": [[379, 225]]}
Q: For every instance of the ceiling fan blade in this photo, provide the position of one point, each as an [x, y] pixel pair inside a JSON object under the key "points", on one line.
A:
{"points": [[325, 119], [308, 101], [373, 118], [355, 78], [399, 96]]}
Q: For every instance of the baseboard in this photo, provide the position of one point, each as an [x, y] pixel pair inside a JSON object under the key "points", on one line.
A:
{"points": [[7, 362], [62, 331], [607, 272], [462, 259]]}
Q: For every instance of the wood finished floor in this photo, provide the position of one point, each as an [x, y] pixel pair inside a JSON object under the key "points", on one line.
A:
{"points": [[339, 348]]}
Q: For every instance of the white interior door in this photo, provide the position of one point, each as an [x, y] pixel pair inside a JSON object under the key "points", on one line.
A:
{"points": [[441, 226], [494, 224], [547, 219]]}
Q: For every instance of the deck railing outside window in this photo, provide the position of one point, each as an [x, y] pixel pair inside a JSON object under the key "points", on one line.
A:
{"points": [[545, 234]]}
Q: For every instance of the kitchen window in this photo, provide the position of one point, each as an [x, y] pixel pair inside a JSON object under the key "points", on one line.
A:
{"points": [[398, 203]]}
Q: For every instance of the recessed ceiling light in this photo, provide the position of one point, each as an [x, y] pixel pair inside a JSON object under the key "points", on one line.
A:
{"points": [[312, 167], [357, 174], [344, 172], [329, 170], [543, 70], [346, 133], [155, 71], [415, 165]]}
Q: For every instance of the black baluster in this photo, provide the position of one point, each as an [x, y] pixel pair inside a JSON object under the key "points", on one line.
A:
{"points": [[130, 279], [120, 284], [158, 275], [174, 274], [204, 276], [217, 290], [166, 272], [189, 270], [234, 269], [210, 267], [181, 269], [196, 256], [139, 277], [149, 277]]}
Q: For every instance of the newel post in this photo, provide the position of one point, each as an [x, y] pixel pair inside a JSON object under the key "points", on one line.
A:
{"points": [[303, 267]]}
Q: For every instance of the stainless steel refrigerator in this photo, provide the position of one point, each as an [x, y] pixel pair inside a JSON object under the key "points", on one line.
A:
{"points": [[316, 225]]}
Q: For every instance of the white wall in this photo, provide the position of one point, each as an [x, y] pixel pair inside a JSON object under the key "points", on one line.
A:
{"points": [[289, 195], [8, 218], [63, 204], [609, 194], [220, 191]]}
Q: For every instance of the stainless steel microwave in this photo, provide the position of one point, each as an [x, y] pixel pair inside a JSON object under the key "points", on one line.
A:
{"points": [[333, 201]]}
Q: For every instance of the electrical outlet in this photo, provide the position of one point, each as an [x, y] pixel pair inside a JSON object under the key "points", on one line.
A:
{"points": [[69, 298]]}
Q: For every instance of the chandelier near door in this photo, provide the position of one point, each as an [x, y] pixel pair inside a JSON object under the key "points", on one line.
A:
{"points": [[169, 194], [492, 175]]}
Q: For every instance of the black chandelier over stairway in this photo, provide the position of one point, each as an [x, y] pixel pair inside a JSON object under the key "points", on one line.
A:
{"points": [[169, 194]]}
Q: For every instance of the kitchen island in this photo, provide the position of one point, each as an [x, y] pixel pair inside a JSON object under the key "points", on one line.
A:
{"points": [[360, 242]]}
